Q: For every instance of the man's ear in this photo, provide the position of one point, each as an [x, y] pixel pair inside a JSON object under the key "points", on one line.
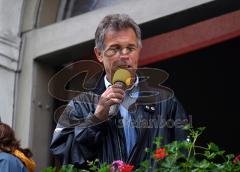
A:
{"points": [[98, 54]]}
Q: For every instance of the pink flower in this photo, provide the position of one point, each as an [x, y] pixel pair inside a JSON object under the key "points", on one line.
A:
{"points": [[236, 159], [120, 166]]}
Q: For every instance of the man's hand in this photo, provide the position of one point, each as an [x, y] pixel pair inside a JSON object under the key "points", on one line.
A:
{"points": [[113, 95]]}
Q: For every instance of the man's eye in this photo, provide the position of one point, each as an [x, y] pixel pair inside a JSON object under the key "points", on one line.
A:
{"points": [[111, 51], [130, 49]]}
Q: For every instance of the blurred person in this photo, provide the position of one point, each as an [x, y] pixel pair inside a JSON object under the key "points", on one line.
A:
{"points": [[12, 157]]}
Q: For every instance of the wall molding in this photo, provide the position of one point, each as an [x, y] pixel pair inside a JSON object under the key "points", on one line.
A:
{"points": [[191, 38]]}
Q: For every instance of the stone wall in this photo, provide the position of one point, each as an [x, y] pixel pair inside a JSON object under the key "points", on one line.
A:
{"points": [[10, 41]]}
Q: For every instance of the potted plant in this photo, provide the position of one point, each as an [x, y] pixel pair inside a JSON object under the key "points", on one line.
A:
{"points": [[178, 156]]}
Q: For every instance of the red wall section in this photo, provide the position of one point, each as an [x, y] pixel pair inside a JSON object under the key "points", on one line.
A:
{"points": [[190, 38]]}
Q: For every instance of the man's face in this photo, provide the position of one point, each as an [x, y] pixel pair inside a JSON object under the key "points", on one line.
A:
{"points": [[120, 51]]}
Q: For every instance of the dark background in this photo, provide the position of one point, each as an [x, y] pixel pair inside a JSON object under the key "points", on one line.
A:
{"points": [[206, 83]]}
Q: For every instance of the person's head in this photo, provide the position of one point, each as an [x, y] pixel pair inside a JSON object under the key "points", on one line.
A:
{"points": [[118, 43], [8, 142]]}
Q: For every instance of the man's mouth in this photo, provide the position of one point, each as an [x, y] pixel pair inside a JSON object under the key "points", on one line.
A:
{"points": [[124, 66]]}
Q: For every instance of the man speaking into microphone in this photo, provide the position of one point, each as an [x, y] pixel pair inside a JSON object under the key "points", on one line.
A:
{"points": [[115, 113]]}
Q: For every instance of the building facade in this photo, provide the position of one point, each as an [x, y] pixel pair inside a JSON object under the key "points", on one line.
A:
{"points": [[39, 38]]}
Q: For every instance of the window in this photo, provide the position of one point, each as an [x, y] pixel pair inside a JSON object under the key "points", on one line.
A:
{"points": [[71, 8]]}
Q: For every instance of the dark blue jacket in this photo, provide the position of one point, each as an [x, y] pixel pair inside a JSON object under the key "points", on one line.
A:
{"points": [[80, 136]]}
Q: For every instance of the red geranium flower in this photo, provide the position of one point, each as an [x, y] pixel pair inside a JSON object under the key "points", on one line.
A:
{"points": [[121, 166], [126, 168], [236, 159], [160, 153]]}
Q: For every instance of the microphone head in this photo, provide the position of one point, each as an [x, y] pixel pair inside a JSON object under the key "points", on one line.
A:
{"points": [[122, 75]]}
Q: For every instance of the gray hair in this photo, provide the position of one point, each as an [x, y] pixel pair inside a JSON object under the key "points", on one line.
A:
{"points": [[116, 22]]}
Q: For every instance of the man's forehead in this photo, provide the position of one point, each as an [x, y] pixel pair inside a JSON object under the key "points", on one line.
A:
{"points": [[126, 36], [127, 44], [116, 31]]}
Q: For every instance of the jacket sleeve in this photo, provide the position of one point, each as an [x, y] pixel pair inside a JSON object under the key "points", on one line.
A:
{"points": [[179, 119], [77, 133]]}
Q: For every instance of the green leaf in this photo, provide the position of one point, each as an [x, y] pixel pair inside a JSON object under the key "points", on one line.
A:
{"points": [[204, 164], [157, 141], [220, 152], [230, 157], [139, 170], [147, 150], [210, 155], [145, 164], [68, 168], [49, 169], [201, 129], [187, 127], [93, 165], [213, 147], [104, 168], [185, 144]]}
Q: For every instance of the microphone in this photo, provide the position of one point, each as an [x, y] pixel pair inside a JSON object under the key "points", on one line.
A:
{"points": [[122, 77]]}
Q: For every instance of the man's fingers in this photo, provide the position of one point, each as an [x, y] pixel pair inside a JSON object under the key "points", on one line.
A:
{"points": [[114, 95], [115, 89], [113, 92], [113, 98], [113, 101]]}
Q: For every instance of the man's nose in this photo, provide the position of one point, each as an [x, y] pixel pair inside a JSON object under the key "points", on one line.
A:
{"points": [[124, 51], [124, 54]]}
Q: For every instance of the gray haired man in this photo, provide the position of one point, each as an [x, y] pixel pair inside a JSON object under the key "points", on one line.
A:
{"points": [[142, 115]]}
